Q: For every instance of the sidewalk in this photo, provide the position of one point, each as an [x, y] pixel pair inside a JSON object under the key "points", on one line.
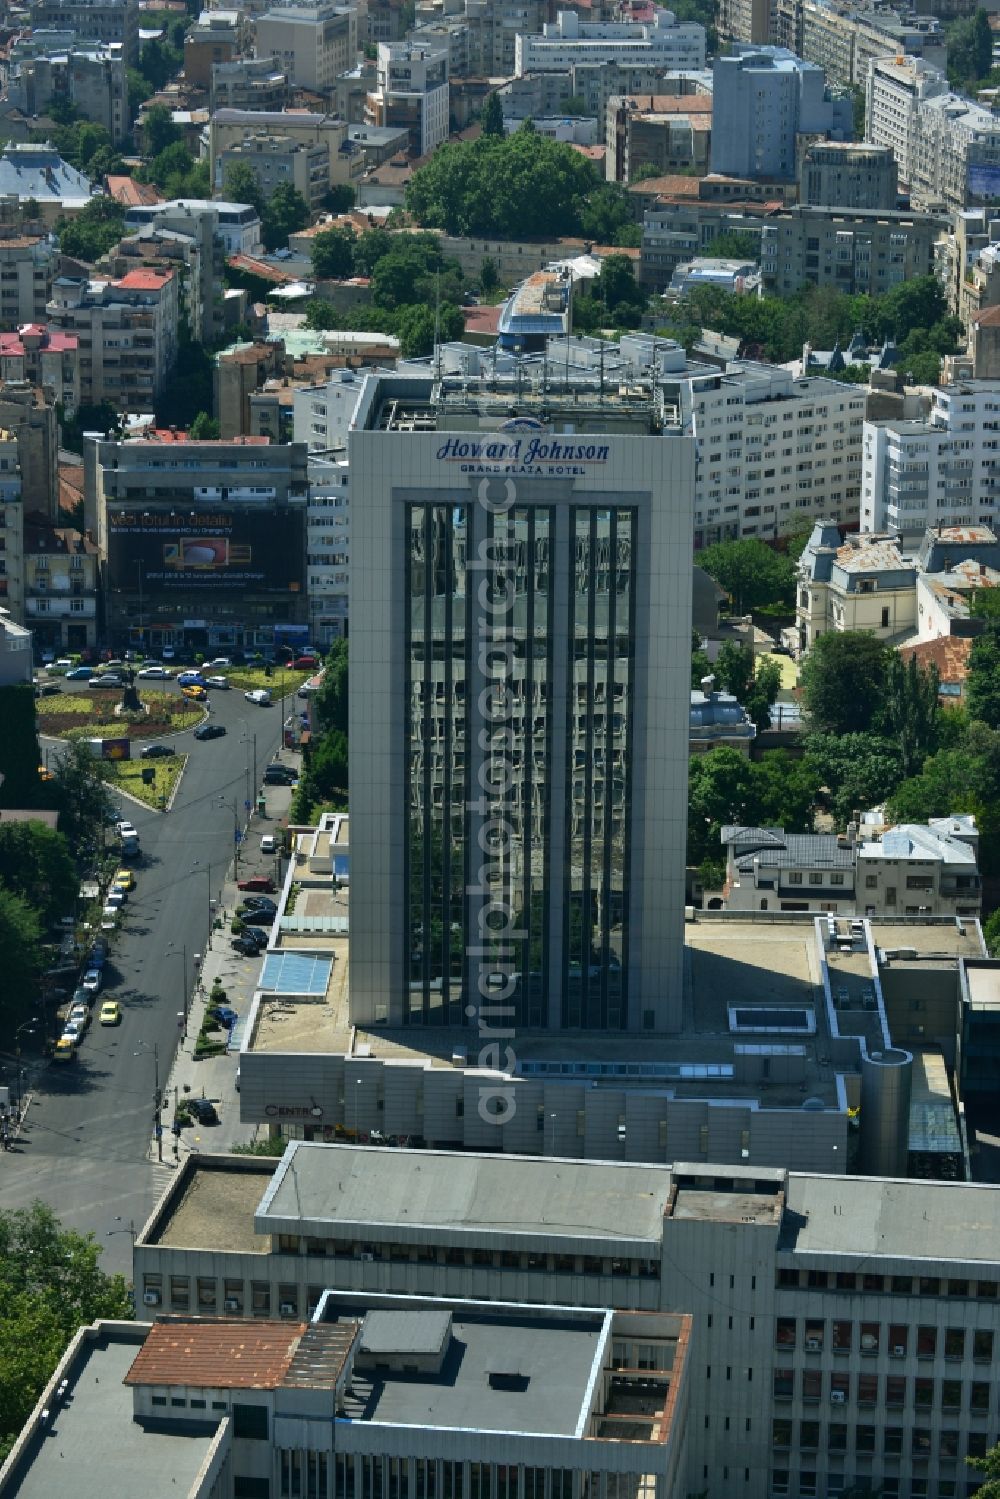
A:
{"points": [[214, 1078]]}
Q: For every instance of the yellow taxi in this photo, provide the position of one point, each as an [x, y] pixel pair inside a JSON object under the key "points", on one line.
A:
{"points": [[197, 693], [111, 1012], [124, 879], [65, 1051]]}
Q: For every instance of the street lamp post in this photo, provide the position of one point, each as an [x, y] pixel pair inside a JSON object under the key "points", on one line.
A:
{"points": [[225, 802], [126, 1228], [183, 953], [157, 1126]]}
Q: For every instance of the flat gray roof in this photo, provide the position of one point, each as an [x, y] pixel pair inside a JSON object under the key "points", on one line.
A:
{"points": [[353, 1187], [95, 1449], [405, 1331], [554, 1358], [910, 1219]]}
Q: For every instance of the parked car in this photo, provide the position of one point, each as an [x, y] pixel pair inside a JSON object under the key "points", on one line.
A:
{"points": [[280, 775], [258, 918], [156, 752], [225, 1015], [219, 661], [79, 1015], [190, 679], [72, 1032], [125, 829], [153, 672], [203, 1110], [64, 664], [111, 1012], [257, 903], [168, 653], [305, 663], [210, 731], [107, 679], [125, 878], [47, 689], [79, 674], [258, 937], [220, 683], [258, 882], [81, 997], [65, 1050], [92, 980], [98, 955], [197, 694], [268, 843], [116, 896], [260, 696], [245, 944]]}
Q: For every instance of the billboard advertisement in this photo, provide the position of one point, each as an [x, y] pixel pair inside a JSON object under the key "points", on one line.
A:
{"points": [[984, 181], [210, 551]]}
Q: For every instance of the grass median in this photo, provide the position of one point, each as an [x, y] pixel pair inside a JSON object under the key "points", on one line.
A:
{"points": [[92, 716], [126, 775], [249, 678]]}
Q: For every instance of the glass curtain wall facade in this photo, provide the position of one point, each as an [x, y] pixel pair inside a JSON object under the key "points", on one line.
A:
{"points": [[510, 686]]}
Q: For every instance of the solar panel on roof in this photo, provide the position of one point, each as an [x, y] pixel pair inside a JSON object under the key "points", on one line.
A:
{"points": [[295, 973]]}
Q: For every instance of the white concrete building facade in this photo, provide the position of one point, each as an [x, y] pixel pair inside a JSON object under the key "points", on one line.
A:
{"points": [[567, 42]]}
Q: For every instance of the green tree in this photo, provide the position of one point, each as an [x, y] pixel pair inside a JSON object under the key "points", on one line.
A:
{"points": [[843, 681], [616, 285], [909, 711], [242, 185], [415, 328], [785, 787], [191, 390], [491, 119], [79, 792], [330, 704], [19, 754], [855, 770], [990, 1464], [285, 212], [720, 791], [607, 209], [332, 254], [35, 863], [20, 958], [763, 693], [982, 693], [970, 50], [701, 667], [735, 245], [754, 576], [371, 245], [159, 130], [158, 62], [734, 669], [340, 198], [51, 1284], [93, 231], [489, 277], [991, 936], [204, 428]]}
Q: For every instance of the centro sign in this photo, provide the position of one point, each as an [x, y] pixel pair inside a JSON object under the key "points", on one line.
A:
{"points": [[293, 1111]]}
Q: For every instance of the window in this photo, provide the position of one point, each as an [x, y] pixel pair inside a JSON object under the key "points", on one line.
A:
{"points": [[954, 1342], [951, 1395], [897, 1339], [837, 1437], [895, 1392], [979, 1397], [870, 1337], [892, 1444], [926, 1342], [812, 1386], [868, 1389], [864, 1438], [781, 1432], [846, 1282], [982, 1347], [842, 1336], [809, 1435], [923, 1396], [784, 1332], [250, 1422]]}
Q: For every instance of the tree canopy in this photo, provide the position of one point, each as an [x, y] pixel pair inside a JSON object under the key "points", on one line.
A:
{"points": [[515, 186], [93, 230], [51, 1284], [970, 50], [843, 681], [35, 863], [323, 784], [752, 573]]}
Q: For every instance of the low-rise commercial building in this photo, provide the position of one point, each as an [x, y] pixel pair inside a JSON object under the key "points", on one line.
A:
{"points": [[236, 226], [864, 1311], [229, 127], [672, 133], [662, 42]]}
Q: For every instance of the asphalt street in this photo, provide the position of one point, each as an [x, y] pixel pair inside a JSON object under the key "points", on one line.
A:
{"points": [[84, 1147]]}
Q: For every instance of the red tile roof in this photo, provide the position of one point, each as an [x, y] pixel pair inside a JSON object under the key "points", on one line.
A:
{"points": [[255, 267], [990, 317], [950, 654], [217, 1355], [143, 280], [134, 194]]}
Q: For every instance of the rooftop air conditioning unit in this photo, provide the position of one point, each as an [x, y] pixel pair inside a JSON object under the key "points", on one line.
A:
{"points": [[837, 1397], [899, 1350], [151, 1298], [369, 1257], [231, 1304], [287, 1308]]}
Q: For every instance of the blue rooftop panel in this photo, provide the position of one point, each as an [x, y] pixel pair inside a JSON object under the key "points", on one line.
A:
{"points": [[295, 973]]}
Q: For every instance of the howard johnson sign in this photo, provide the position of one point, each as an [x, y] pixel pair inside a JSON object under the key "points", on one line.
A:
{"points": [[523, 454]]}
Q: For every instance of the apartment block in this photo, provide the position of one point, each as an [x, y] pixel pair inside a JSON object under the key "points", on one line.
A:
{"points": [[127, 334], [43, 357], [411, 94], [235, 227], [859, 251], [663, 42], [217, 37], [61, 585], [956, 160], [192, 255], [57, 68], [773, 452], [230, 127], [843, 1327], [16, 662], [895, 90], [667, 132], [745, 21], [25, 273], [835, 175], [249, 83], [204, 540], [679, 228], [29, 412], [12, 579], [313, 42], [766, 100], [944, 471], [845, 42], [328, 542], [277, 160], [112, 21]]}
